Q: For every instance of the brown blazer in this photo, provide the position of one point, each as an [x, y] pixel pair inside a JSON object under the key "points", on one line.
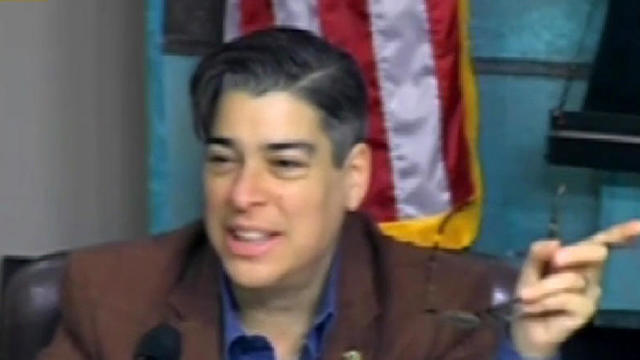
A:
{"points": [[391, 296]]}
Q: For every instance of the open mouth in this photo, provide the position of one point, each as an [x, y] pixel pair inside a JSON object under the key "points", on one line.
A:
{"points": [[251, 242]]}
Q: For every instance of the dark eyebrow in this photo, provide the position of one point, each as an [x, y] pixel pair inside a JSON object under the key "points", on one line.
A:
{"points": [[309, 148], [222, 141]]}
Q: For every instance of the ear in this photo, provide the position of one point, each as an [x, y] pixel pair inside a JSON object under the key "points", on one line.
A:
{"points": [[357, 171]]}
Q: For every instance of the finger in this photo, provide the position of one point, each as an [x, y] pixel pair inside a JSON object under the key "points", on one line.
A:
{"points": [[580, 255], [564, 324], [618, 234], [591, 275], [593, 290], [588, 259], [540, 254], [579, 306], [554, 284]]}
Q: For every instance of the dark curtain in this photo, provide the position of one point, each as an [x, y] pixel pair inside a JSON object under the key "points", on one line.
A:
{"points": [[615, 82], [193, 27]]}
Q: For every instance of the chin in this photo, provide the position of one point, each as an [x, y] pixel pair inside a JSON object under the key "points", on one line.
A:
{"points": [[252, 276]]}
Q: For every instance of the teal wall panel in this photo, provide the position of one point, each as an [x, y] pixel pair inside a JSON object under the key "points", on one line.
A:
{"points": [[175, 156], [519, 184], [620, 200], [184, 152], [540, 29], [157, 131]]}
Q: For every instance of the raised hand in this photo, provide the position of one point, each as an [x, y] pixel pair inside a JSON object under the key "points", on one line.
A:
{"points": [[559, 289]]}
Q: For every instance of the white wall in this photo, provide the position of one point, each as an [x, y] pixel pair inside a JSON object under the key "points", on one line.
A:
{"points": [[72, 124]]}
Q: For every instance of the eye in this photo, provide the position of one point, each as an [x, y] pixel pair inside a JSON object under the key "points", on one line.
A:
{"points": [[218, 159], [289, 164], [289, 168], [221, 163]]}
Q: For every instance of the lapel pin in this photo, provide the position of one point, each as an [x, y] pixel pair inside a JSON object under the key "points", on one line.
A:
{"points": [[352, 355]]}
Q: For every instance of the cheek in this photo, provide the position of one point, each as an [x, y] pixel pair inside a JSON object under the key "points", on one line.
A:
{"points": [[215, 192], [314, 210], [305, 198]]}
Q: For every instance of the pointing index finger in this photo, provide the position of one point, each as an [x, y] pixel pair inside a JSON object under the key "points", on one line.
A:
{"points": [[616, 235]]}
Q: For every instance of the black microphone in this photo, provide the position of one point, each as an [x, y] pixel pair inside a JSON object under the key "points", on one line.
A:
{"points": [[163, 342]]}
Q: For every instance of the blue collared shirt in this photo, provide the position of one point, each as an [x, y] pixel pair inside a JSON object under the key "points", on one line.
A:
{"points": [[239, 345]]}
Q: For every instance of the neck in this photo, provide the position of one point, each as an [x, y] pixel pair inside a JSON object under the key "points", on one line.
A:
{"points": [[283, 314]]}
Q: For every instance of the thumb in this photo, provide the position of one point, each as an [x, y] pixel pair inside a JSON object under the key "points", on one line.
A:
{"points": [[534, 268]]}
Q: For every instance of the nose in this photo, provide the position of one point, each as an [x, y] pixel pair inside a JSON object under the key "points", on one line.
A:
{"points": [[248, 188]]}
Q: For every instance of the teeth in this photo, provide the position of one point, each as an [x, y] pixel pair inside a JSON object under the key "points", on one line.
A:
{"points": [[248, 235]]}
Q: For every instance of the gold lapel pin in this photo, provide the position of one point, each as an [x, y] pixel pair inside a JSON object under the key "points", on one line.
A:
{"points": [[352, 355]]}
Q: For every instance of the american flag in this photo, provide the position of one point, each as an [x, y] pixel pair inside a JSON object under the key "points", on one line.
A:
{"points": [[414, 54]]}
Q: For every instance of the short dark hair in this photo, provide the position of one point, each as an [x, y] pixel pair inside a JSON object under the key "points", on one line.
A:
{"points": [[291, 60]]}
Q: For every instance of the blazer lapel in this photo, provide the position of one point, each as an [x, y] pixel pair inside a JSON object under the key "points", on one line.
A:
{"points": [[354, 331], [362, 329], [196, 310]]}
